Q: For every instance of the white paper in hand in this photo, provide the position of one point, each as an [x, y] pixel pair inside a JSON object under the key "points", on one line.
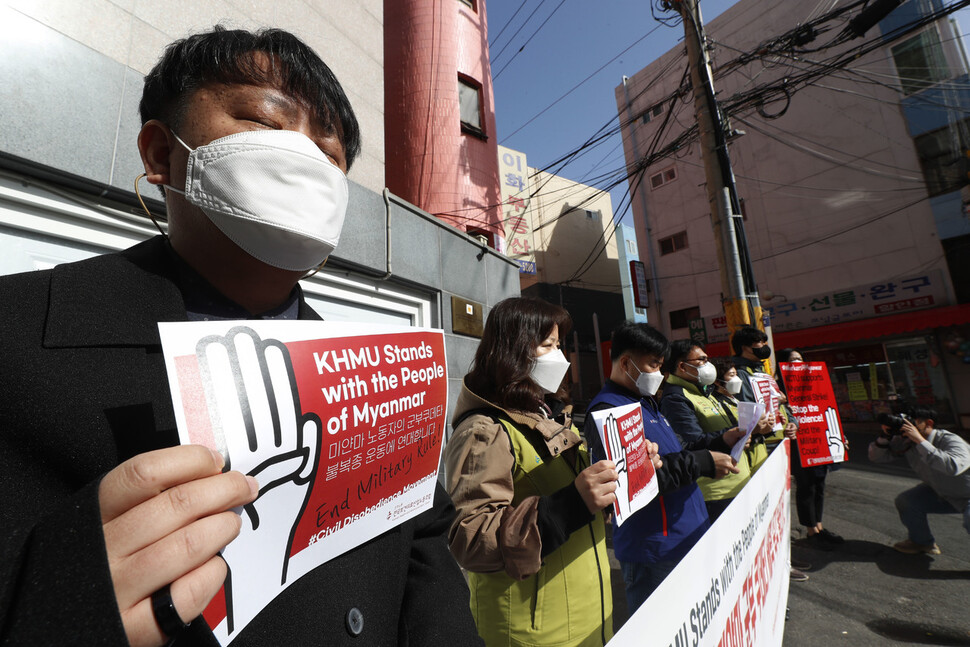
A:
{"points": [[749, 413]]}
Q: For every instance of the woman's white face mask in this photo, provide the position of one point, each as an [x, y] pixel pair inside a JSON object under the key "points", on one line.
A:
{"points": [[549, 369]]}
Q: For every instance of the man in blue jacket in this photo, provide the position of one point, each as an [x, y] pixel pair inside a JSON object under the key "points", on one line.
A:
{"points": [[651, 542]]}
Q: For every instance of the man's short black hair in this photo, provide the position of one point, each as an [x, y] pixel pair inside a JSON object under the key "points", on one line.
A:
{"points": [[919, 412], [679, 350], [225, 56], [638, 338], [746, 336]]}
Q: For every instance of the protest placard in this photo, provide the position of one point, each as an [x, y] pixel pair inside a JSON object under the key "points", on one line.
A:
{"points": [[621, 432], [749, 413], [812, 401], [766, 392], [731, 589], [341, 425]]}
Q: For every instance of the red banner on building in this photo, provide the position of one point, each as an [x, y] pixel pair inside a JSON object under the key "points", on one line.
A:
{"points": [[810, 397]]}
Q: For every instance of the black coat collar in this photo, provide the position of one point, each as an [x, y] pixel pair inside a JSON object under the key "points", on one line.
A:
{"points": [[118, 299]]}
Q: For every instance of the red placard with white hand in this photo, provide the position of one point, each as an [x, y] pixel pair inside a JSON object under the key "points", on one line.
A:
{"points": [[820, 440], [340, 424], [621, 432]]}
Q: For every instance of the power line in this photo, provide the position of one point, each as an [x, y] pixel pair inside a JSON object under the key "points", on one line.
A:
{"points": [[507, 23], [528, 40], [493, 59], [577, 86]]}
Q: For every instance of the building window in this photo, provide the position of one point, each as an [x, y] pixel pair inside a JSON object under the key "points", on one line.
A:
{"points": [[631, 247], [471, 4], [470, 102], [652, 113], [920, 61], [591, 215], [681, 318], [665, 176], [941, 157], [674, 243]]}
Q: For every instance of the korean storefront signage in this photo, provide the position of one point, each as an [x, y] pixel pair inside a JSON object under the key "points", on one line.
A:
{"points": [[638, 276], [918, 292], [514, 181]]}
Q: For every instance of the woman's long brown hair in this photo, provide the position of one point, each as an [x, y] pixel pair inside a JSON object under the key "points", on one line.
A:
{"points": [[503, 362]]}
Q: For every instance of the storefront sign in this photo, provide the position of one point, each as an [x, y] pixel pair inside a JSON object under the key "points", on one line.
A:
{"points": [[638, 276], [514, 184], [698, 333], [857, 388], [341, 425], [861, 302], [811, 399]]}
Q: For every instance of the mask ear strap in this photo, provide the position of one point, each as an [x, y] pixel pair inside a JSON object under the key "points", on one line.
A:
{"points": [[316, 269], [150, 215]]}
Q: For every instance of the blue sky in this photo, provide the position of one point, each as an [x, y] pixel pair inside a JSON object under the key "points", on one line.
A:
{"points": [[580, 37]]}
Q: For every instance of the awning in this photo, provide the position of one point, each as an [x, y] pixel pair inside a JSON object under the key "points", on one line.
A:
{"points": [[872, 328]]}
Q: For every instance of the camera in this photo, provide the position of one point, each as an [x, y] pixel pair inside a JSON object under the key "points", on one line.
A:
{"points": [[894, 422]]}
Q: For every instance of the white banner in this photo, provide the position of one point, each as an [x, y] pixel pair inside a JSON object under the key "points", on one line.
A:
{"points": [[731, 589]]}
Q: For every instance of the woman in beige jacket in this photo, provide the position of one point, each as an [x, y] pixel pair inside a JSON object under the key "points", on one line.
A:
{"points": [[529, 528]]}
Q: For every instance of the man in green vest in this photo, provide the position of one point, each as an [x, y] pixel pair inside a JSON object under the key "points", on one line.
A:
{"points": [[694, 413]]}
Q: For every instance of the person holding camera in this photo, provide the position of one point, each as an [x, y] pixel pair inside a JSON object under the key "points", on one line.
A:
{"points": [[941, 459]]}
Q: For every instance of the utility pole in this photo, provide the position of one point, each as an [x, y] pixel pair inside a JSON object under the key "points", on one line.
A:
{"points": [[739, 294]]}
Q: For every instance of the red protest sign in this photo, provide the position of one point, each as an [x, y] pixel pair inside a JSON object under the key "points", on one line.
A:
{"points": [[341, 425], [811, 399], [766, 392], [621, 432]]}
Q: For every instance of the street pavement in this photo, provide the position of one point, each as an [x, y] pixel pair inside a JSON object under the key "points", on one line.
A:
{"points": [[865, 593]]}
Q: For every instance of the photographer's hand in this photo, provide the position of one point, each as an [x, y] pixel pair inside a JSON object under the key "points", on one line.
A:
{"points": [[911, 433]]}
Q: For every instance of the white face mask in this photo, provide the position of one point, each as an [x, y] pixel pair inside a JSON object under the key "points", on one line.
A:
{"points": [[549, 369], [647, 383], [706, 373], [272, 192], [733, 386]]}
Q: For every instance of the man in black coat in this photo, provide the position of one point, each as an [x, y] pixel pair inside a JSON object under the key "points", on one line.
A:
{"points": [[110, 531]]}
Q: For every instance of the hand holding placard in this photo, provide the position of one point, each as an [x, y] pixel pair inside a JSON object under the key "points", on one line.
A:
{"points": [[250, 385]]}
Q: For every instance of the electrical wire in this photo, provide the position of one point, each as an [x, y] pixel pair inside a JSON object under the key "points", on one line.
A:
{"points": [[528, 40], [507, 23], [521, 27], [578, 85]]}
